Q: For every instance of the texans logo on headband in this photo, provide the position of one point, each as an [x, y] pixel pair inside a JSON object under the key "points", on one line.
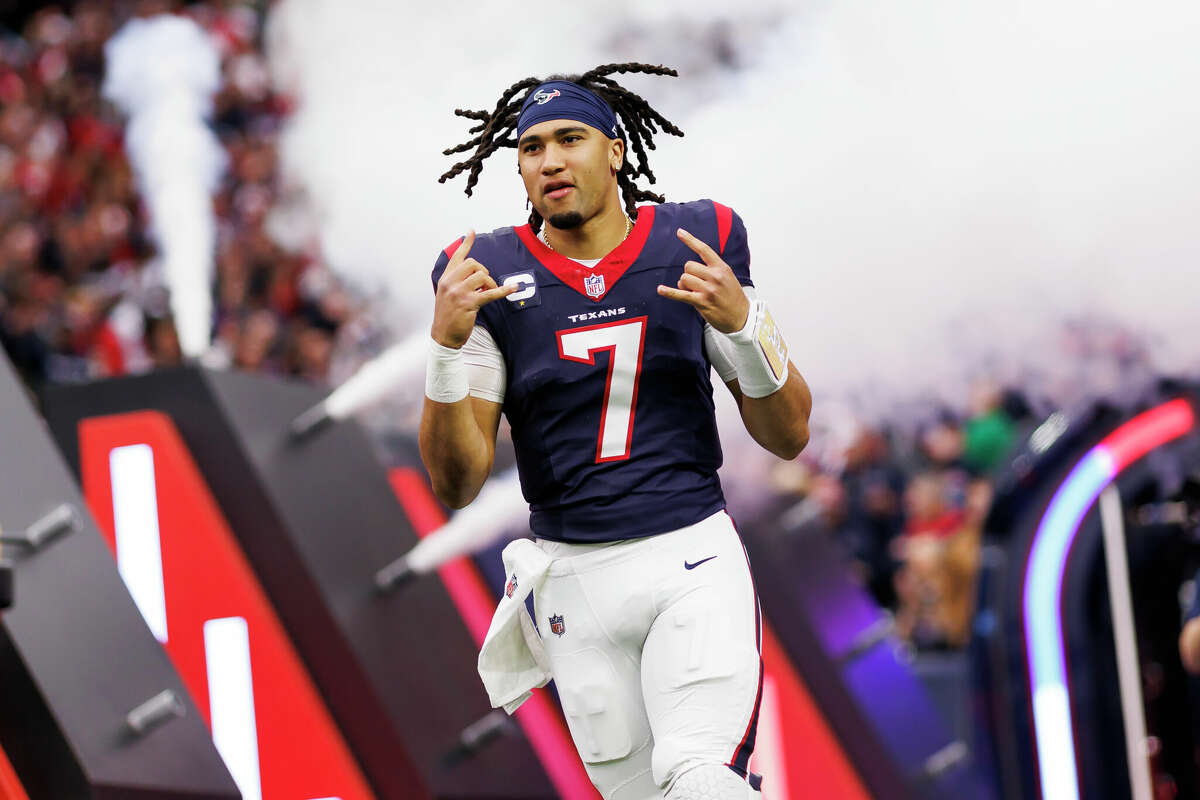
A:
{"points": [[571, 101]]}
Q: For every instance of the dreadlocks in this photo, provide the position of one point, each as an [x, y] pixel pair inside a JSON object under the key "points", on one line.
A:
{"points": [[638, 124]]}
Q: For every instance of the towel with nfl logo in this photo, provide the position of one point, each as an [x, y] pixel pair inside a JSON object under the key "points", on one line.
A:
{"points": [[512, 661]]}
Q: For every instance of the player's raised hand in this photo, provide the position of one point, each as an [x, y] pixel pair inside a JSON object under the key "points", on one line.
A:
{"points": [[464, 288], [710, 287]]}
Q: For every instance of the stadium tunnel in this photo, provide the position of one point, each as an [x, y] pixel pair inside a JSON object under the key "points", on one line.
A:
{"points": [[1078, 686]]}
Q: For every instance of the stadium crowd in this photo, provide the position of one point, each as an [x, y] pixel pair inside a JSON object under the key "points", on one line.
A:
{"points": [[908, 505], [82, 293]]}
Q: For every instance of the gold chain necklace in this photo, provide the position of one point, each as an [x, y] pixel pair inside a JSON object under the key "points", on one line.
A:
{"points": [[546, 233]]}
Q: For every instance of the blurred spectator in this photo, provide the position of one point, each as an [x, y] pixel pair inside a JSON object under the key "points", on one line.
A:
{"points": [[1189, 636], [162, 342], [929, 509], [256, 342], [989, 433], [873, 516], [938, 552]]}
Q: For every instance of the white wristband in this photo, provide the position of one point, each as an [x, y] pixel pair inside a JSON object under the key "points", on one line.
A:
{"points": [[759, 353], [446, 378]]}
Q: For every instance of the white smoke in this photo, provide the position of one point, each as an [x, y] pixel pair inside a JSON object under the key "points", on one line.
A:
{"points": [[932, 191], [499, 509], [402, 364], [162, 73]]}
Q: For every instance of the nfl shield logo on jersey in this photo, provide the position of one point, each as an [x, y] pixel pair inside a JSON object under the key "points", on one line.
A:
{"points": [[556, 624], [511, 587], [593, 285]]}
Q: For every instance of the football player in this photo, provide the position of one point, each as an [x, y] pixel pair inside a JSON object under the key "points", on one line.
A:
{"points": [[594, 329]]}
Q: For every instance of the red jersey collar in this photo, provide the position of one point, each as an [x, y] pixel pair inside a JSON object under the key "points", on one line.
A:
{"points": [[593, 283]]}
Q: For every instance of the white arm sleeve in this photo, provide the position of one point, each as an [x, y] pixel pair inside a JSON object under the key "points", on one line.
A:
{"points": [[717, 346], [485, 366]]}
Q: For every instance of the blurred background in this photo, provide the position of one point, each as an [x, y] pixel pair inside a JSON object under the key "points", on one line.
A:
{"points": [[974, 222]]}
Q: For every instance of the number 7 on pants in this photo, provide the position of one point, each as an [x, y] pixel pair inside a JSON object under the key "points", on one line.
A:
{"points": [[624, 342]]}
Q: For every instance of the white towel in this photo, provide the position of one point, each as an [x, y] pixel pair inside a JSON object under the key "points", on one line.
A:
{"points": [[512, 661]]}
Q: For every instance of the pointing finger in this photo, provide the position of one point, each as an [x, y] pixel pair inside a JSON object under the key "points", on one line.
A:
{"points": [[461, 265], [464, 249], [706, 253], [498, 292]]}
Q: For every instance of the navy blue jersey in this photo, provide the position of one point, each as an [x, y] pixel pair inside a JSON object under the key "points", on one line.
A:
{"points": [[608, 390]]}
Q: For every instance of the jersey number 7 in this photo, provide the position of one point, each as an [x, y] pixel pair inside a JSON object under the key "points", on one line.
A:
{"points": [[624, 342]]}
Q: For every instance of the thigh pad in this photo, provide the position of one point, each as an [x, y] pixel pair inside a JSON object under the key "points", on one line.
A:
{"points": [[597, 705]]}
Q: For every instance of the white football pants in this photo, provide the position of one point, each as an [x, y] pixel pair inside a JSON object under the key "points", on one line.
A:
{"points": [[654, 645]]}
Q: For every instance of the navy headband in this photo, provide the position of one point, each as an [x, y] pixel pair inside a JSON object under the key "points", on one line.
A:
{"points": [[566, 100]]}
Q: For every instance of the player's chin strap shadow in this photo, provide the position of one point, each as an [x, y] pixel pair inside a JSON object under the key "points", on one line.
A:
{"points": [[477, 736]]}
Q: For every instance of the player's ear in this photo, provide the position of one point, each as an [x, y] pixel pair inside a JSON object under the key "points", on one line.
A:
{"points": [[616, 155]]}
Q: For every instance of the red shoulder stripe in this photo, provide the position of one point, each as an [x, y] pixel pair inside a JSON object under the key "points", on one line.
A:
{"points": [[724, 224], [453, 246]]}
